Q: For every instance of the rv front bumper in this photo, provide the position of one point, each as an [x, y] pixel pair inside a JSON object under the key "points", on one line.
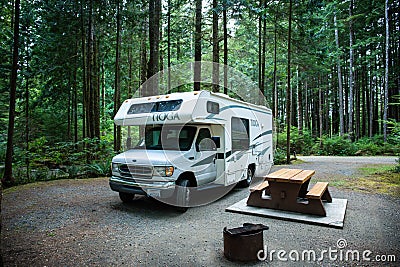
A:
{"points": [[141, 188]]}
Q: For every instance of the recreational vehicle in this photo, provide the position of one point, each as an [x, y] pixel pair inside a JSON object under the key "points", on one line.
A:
{"points": [[192, 140]]}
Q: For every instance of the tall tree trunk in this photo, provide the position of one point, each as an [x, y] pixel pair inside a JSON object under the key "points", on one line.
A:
{"points": [[197, 46], [215, 43], [299, 103], [275, 102], [117, 85], [275, 94], [306, 104], [75, 96], [364, 93], [357, 106], [371, 107], [84, 72], [169, 46], [103, 87], [264, 42], [288, 88], [143, 65], [143, 59], [320, 122], [27, 85], [327, 111], [92, 99], [225, 22], [340, 84], [260, 47], [386, 90], [154, 41], [90, 51], [96, 90], [8, 171], [351, 72]]}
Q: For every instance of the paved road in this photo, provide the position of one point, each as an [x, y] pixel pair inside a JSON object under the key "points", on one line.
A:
{"points": [[83, 223]]}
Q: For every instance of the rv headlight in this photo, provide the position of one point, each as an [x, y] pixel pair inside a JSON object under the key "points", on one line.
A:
{"points": [[169, 171], [164, 171], [114, 167]]}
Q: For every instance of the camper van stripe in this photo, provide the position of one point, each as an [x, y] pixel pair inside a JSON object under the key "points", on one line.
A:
{"points": [[242, 107], [262, 134], [205, 161], [238, 155], [258, 144], [264, 151]]}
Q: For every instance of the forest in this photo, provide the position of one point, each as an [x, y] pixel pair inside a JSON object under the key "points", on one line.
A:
{"points": [[329, 70]]}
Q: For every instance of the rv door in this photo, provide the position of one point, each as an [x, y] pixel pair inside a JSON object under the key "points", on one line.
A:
{"points": [[206, 151]]}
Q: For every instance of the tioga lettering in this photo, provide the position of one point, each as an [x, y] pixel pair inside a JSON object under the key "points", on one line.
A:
{"points": [[170, 116]]}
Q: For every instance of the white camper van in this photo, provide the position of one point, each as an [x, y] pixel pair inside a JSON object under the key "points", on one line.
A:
{"points": [[191, 140]]}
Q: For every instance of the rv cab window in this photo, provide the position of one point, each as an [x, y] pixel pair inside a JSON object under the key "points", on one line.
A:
{"points": [[169, 137]]}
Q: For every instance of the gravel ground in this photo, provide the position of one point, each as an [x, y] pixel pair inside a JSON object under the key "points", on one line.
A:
{"points": [[83, 223]]}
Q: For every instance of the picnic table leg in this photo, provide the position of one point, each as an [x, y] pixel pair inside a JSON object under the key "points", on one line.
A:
{"points": [[255, 198], [304, 189], [316, 207], [327, 196]]}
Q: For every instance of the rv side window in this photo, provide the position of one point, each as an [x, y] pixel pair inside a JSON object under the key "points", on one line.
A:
{"points": [[212, 107], [171, 105], [162, 106], [240, 134], [141, 108]]}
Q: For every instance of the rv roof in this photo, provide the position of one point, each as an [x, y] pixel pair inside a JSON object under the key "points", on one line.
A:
{"points": [[192, 95]]}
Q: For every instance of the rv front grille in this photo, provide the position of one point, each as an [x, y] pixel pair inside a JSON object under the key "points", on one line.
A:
{"points": [[136, 170]]}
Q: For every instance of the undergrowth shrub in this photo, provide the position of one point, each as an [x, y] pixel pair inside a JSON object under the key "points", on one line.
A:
{"points": [[299, 143], [279, 156], [397, 167], [337, 145]]}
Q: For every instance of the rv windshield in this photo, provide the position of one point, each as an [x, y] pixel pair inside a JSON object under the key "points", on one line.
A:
{"points": [[169, 137]]}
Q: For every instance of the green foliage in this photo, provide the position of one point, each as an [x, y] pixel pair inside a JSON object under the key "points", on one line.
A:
{"points": [[39, 173], [68, 153], [86, 158], [299, 143], [3, 146], [99, 168], [366, 146], [335, 146], [305, 144], [279, 156], [397, 167], [74, 171]]}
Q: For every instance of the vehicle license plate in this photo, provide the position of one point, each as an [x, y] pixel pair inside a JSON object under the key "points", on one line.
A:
{"points": [[153, 192]]}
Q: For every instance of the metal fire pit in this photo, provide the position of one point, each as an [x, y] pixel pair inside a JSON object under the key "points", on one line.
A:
{"points": [[243, 243]]}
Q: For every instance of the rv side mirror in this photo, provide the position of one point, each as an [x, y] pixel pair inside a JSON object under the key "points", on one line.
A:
{"points": [[217, 141]]}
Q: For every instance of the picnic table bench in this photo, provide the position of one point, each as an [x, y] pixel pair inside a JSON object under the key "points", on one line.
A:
{"points": [[287, 189]]}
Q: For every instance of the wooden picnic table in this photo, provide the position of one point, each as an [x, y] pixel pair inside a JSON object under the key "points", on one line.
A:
{"points": [[287, 189]]}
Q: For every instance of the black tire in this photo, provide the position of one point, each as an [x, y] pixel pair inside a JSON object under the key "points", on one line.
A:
{"points": [[246, 182], [126, 197], [182, 195]]}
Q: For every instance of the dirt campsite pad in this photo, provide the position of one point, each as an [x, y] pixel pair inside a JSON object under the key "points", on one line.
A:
{"points": [[84, 223]]}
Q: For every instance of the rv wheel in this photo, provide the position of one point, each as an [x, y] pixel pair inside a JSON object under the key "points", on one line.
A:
{"points": [[247, 181], [126, 197], [182, 195]]}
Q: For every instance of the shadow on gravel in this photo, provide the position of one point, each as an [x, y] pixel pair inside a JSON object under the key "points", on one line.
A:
{"points": [[157, 209]]}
